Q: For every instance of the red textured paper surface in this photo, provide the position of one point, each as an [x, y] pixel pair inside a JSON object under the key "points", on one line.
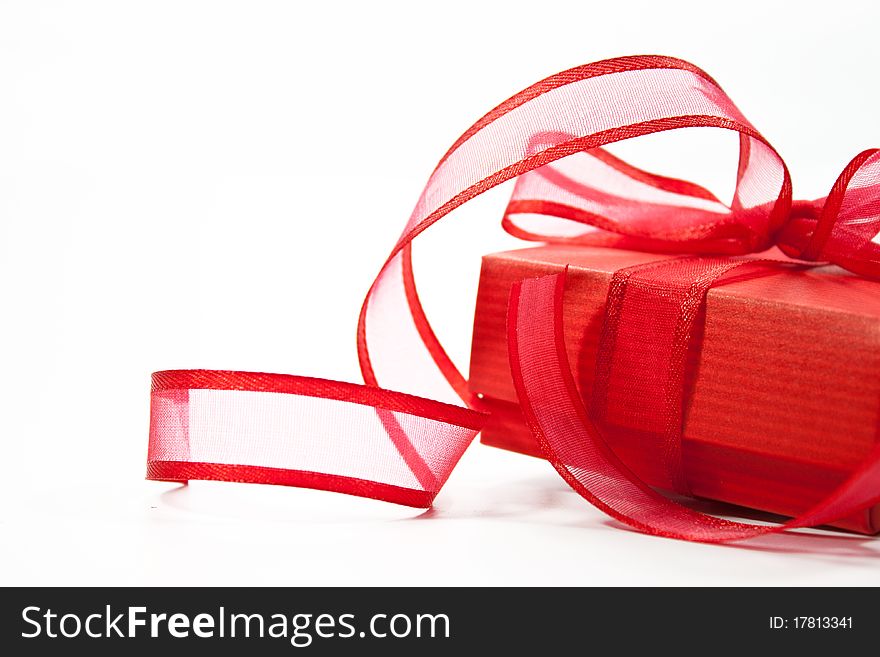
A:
{"points": [[783, 396]]}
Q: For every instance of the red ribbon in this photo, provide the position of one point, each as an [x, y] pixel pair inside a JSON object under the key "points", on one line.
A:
{"points": [[369, 441]]}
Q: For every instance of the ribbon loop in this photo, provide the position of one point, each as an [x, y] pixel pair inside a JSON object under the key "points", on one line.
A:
{"points": [[845, 228]]}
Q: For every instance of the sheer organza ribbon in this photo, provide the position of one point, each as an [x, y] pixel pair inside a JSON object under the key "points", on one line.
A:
{"points": [[370, 441]]}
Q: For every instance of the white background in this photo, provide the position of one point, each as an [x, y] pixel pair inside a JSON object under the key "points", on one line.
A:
{"points": [[214, 184]]}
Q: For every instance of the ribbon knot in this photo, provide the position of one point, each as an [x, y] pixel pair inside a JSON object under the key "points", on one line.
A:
{"points": [[842, 227]]}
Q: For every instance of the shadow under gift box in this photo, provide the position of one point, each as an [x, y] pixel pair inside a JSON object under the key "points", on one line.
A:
{"points": [[782, 395]]}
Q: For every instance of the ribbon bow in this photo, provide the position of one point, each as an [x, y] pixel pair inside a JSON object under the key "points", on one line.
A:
{"points": [[371, 441], [634, 96]]}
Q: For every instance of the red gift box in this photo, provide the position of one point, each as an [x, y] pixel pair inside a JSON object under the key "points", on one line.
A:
{"points": [[783, 393]]}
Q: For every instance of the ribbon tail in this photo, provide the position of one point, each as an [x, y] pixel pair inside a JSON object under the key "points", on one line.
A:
{"points": [[574, 444], [306, 432]]}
